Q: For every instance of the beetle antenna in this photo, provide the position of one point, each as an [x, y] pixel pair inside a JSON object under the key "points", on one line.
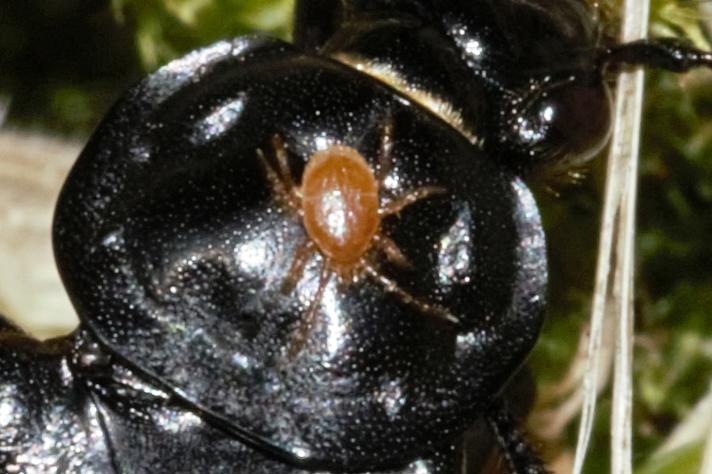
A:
{"points": [[670, 54]]}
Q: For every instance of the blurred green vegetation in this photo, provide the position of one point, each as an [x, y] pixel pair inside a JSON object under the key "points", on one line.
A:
{"points": [[673, 352], [64, 62], [167, 29]]}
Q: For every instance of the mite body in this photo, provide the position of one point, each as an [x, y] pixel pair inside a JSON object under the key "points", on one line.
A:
{"points": [[319, 257], [340, 206]]}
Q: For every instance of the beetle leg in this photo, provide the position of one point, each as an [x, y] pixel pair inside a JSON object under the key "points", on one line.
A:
{"points": [[520, 457], [424, 307], [305, 325], [397, 205]]}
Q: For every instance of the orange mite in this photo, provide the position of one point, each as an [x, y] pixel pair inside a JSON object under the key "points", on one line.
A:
{"points": [[340, 207], [340, 203]]}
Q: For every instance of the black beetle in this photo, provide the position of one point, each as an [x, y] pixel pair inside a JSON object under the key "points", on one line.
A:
{"points": [[222, 332]]}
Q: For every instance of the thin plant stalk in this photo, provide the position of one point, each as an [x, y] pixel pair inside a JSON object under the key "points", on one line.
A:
{"points": [[626, 149], [613, 294]]}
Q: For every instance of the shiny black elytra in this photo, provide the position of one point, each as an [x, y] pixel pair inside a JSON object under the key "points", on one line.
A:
{"points": [[175, 247]]}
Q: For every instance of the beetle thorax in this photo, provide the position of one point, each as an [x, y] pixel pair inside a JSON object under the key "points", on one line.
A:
{"points": [[340, 203]]}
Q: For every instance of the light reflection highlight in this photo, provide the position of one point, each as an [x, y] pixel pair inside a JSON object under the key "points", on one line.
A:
{"points": [[252, 255], [455, 259], [336, 327], [335, 212], [421, 467], [220, 120]]}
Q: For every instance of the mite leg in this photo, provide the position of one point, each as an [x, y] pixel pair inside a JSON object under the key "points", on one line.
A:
{"points": [[274, 179], [280, 152], [520, 457], [278, 187], [385, 156], [671, 54], [301, 257], [397, 205], [391, 251], [305, 325], [424, 307], [280, 179]]}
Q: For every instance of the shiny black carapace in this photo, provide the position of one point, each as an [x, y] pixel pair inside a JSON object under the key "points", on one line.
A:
{"points": [[319, 256]]}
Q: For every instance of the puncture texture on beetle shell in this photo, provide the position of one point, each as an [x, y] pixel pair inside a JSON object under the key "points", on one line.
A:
{"points": [[175, 249]]}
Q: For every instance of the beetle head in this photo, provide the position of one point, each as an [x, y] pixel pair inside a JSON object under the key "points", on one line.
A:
{"points": [[524, 76]]}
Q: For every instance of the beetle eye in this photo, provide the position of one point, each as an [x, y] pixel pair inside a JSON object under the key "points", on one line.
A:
{"points": [[561, 127]]}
